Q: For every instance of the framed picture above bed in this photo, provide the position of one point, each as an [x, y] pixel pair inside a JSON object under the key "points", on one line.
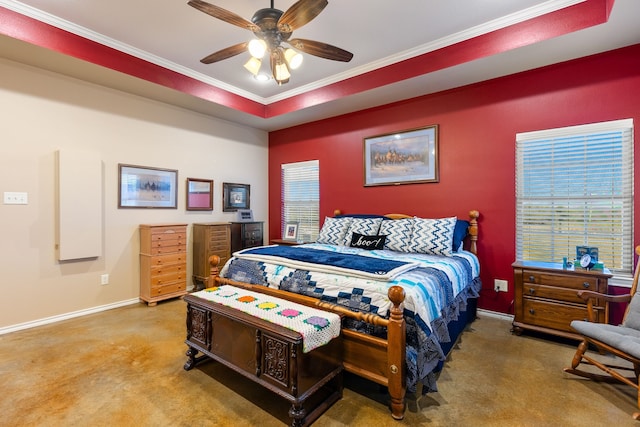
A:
{"points": [[235, 196], [405, 157]]}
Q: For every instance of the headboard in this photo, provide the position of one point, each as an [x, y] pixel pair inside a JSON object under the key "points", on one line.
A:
{"points": [[472, 231]]}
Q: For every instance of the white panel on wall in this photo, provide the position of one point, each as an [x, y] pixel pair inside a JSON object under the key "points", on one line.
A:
{"points": [[79, 205]]}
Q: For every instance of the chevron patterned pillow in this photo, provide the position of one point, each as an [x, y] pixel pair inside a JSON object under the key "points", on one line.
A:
{"points": [[398, 234], [433, 236], [334, 230], [364, 226]]}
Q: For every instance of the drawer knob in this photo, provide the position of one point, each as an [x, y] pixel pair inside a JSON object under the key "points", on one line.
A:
{"points": [[586, 285], [532, 278], [532, 311], [532, 291]]}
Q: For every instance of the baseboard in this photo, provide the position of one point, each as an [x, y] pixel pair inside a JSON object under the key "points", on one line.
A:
{"points": [[65, 316], [495, 314]]}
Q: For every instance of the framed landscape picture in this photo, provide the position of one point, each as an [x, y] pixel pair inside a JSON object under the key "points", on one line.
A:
{"points": [[147, 187], [235, 196], [405, 157]]}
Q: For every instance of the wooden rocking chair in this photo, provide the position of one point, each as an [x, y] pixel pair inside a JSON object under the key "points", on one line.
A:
{"points": [[622, 341]]}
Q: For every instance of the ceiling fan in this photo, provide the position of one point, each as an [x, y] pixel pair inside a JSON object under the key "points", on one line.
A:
{"points": [[273, 29]]}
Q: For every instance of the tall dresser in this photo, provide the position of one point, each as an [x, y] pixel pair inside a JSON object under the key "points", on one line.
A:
{"points": [[246, 235], [163, 262], [213, 238]]}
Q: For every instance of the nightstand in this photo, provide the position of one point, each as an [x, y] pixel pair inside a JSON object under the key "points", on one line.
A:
{"points": [[286, 242], [245, 235], [546, 297]]}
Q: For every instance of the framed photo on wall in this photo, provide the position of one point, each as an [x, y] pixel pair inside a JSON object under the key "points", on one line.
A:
{"points": [[235, 196], [199, 194], [405, 157], [147, 187]]}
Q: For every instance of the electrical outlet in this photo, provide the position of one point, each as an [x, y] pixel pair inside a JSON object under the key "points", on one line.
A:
{"points": [[500, 285], [104, 279]]}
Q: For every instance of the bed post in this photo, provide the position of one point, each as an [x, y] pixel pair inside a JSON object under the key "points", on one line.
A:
{"points": [[396, 353], [214, 273], [473, 231]]}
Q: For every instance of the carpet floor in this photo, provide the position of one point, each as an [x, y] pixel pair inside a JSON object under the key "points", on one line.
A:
{"points": [[124, 367]]}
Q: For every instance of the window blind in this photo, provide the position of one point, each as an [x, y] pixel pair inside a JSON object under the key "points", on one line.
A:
{"points": [[574, 187], [301, 197]]}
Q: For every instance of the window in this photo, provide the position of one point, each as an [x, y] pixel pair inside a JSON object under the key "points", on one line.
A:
{"points": [[574, 186], [301, 198]]}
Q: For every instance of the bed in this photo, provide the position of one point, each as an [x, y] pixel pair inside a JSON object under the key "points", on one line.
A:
{"points": [[404, 286]]}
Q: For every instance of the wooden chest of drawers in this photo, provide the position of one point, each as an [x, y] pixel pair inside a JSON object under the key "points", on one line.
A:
{"points": [[546, 297], [212, 238], [163, 261], [246, 235]]}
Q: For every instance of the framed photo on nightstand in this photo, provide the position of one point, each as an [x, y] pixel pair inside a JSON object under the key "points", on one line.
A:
{"points": [[291, 231]]}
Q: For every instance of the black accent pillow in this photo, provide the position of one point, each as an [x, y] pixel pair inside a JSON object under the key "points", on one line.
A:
{"points": [[367, 242]]}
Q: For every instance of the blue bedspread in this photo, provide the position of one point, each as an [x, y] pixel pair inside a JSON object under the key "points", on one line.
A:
{"points": [[323, 260], [436, 288]]}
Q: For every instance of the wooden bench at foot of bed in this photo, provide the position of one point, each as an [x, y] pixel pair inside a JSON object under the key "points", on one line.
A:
{"points": [[268, 354]]}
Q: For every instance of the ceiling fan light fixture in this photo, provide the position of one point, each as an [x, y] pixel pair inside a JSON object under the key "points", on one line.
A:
{"points": [[294, 59], [281, 73], [257, 48], [253, 65]]}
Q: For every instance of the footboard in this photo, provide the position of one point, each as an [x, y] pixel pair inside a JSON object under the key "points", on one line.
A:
{"points": [[376, 359]]}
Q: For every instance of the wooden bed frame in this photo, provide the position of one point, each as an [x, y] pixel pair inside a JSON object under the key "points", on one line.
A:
{"points": [[376, 359]]}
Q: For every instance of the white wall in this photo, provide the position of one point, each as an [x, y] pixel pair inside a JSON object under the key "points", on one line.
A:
{"points": [[41, 112]]}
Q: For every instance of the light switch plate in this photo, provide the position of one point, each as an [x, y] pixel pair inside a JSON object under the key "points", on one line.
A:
{"points": [[15, 198]]}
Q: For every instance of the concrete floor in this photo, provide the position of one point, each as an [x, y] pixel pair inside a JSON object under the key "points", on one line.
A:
{"points": [[125, 367]]}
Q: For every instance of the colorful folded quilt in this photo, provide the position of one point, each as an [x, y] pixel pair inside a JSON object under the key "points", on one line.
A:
{"points": [[317, 327]]}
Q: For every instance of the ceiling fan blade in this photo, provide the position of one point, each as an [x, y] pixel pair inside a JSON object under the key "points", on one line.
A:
{"points": [[322, 50], [222, 14], [300, 13], [225, 53]]}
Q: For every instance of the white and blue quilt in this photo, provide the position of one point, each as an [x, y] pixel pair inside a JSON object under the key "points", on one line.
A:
{"points": [[436, 289]]}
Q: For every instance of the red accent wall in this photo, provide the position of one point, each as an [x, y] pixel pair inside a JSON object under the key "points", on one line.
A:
{"points": [[477, 128]]}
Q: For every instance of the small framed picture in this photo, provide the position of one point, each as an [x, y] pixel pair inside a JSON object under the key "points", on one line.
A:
{"points": [[199, 194], [235, 196], [291, 231]]}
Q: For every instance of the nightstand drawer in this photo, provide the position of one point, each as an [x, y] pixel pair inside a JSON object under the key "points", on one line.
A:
{"points": [[551, 292], [565, 281], [552, 315]]}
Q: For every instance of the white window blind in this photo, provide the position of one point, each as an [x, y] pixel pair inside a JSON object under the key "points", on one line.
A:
{"points": [[574, 187], [301, 197]]}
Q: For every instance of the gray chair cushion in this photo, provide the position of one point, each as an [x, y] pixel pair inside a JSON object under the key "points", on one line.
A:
{"points": [[622, 338], [632, 320]]}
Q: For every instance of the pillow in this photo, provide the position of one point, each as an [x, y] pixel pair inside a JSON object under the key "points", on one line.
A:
{"points": [[398, 234], [433, 236], [334, 230], [367, 242], [364, 226], [459, 233]]}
